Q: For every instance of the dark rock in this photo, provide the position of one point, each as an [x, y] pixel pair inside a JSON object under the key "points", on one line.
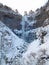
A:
{"points": [[10, 17], [41, 16]]}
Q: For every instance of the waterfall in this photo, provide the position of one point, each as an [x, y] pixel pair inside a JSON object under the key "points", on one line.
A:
{"points": [[24, 19]]}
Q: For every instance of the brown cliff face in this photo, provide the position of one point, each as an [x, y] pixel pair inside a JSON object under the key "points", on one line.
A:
{"points": [[10, 17], [41, 15]]}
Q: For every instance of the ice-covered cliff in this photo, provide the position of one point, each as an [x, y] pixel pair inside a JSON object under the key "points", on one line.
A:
{"points": [[14, 37]]}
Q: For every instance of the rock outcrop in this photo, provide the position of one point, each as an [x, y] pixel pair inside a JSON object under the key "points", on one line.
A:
{"points": [[41, 15], [11, 18]]}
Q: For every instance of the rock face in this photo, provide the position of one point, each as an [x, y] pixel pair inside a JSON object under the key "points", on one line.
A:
{"points": [[14, 21], [9, 17], [41, 15], [24, 25]]}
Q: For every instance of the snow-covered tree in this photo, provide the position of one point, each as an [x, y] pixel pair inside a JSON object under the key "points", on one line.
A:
{"points": [[41, 59], [17, 11], [40, 34]]}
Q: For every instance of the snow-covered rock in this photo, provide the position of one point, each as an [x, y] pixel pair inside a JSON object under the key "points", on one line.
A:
{"points": [[38, 54], [34, 28], [10, 45]]}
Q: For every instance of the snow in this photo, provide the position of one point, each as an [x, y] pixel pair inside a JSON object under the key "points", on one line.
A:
{"points": [[15, 39], [18, 31], [14, 46], [36, 49], [32, 47], [32, 22], [13, 42], [47, 9]]}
